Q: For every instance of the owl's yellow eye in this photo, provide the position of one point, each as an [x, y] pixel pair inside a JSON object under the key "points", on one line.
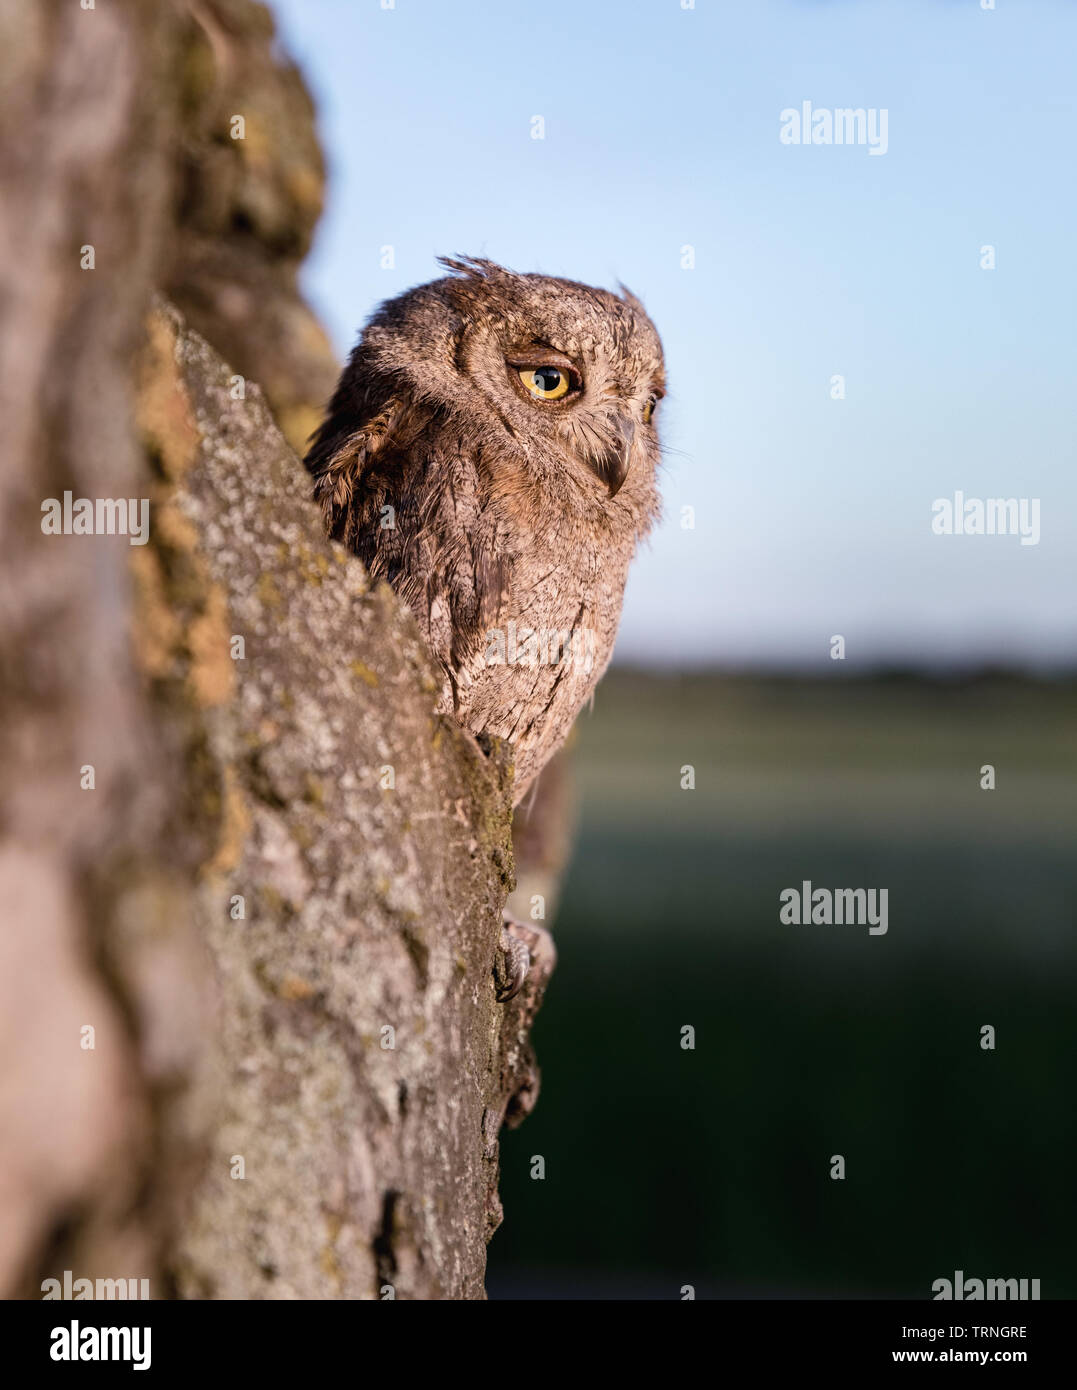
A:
{"points": [[648, 410], [546, 383]]}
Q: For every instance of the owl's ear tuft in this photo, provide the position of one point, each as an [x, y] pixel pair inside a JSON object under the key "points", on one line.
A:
{"points": [[340, 453], [474, 284], [630, 299], [473, 267]]}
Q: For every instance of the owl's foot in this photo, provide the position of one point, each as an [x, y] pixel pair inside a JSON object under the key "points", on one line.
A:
{"points": [[523, 963], [511, 964], [526, 952]]}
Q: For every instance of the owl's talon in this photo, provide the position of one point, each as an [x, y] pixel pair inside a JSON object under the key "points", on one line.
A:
{"points": [[526, 952], [511, 965]]}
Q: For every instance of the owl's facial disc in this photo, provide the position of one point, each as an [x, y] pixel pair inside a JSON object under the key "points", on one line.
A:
{"points": [[546, 376]]}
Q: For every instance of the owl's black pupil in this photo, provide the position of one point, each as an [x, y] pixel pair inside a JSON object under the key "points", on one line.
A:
{"points": [[547, 378]]}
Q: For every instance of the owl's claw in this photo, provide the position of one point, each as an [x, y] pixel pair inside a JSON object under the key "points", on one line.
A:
{"points": [[523, 950], [511, 965]]}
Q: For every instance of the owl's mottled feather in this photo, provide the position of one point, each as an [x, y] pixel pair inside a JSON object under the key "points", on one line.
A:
{"points": [[493, 513]]}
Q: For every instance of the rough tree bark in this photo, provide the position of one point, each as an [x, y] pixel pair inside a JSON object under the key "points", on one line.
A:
{"points": [[278, 904]]}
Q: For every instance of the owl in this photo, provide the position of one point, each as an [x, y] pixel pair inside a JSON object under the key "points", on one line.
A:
{"points": [[491, 452]]}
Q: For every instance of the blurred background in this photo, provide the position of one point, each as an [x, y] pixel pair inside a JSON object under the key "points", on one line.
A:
{"points": [[771, 270], [711, 1167]]}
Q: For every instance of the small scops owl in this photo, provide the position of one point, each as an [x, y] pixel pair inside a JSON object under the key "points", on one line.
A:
{"points": [[491, 452]]}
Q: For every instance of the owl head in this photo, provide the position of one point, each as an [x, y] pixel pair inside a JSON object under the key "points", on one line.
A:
{"points": [[552, 385]]}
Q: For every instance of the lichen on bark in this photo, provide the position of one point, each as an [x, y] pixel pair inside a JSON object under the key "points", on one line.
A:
{"points": [[358, 1046]]}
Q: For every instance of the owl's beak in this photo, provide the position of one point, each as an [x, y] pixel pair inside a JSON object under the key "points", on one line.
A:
{"points": [[613, 463]]}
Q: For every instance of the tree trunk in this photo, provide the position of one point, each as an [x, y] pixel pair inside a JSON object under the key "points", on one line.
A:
{"points": [[250, 886]]}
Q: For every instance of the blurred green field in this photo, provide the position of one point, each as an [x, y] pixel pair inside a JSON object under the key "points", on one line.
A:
{"points": [[711, 1167]]}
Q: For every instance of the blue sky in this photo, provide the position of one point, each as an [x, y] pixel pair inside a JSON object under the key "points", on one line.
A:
{"points": [[812, 515]]}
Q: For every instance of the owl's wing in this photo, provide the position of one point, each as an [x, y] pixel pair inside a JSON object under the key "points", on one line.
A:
{"points": [[440, 549], [355, 439]]}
